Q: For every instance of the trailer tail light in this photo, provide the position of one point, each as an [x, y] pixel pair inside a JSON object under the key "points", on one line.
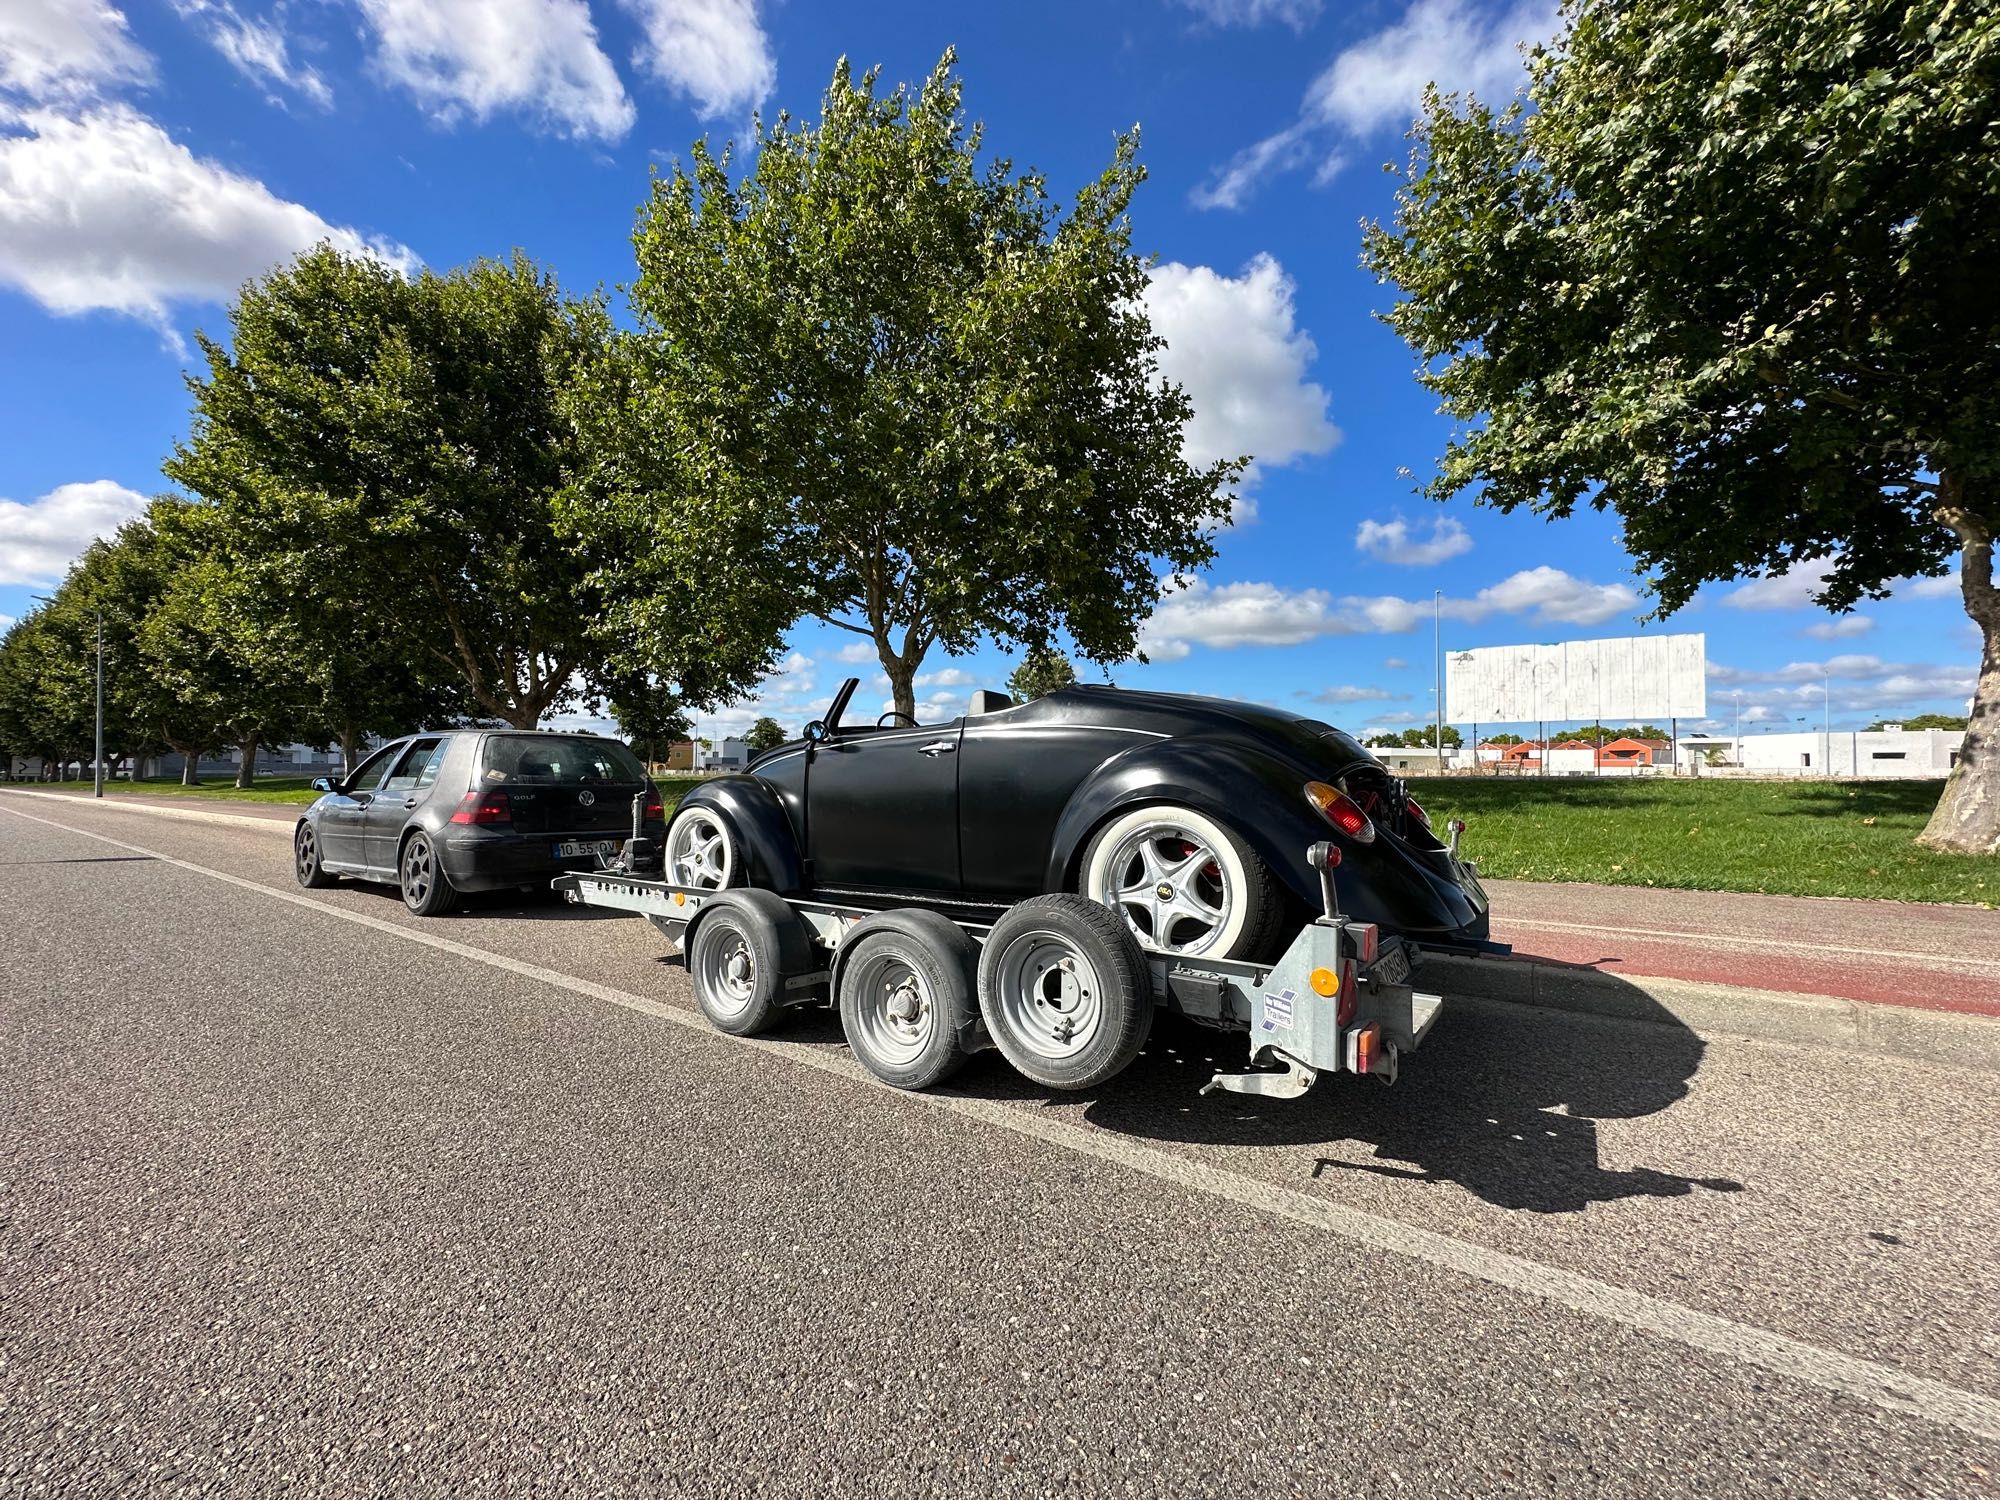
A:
{"points": [[1417, 811], [484, 808], [1367, 940], [1341, 810]]}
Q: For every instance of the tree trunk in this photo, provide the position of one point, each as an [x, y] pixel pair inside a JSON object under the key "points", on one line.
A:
{"points": [[1967, 820], [350, 749], [190, 767], [902, 684], [246, 774]]}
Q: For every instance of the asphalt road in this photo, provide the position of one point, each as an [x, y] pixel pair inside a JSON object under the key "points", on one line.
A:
{"points": [[303, 1196]]}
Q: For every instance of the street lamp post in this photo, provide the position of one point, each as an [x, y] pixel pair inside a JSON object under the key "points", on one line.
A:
{"points": [[1437, 665], [98, 785], [1736, 736], [1826, 719]]}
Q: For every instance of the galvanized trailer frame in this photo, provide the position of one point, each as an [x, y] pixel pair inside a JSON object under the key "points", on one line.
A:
{"points": [[1338, 1000]]}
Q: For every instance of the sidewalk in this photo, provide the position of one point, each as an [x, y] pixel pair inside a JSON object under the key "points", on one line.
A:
{"points": [[1871, 952]]}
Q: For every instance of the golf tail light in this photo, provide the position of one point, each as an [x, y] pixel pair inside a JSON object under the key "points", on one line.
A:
{"points": [[656, 808], [1341, 810], [484, 807]]}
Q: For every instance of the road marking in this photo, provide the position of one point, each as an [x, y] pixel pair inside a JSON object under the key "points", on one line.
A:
{"points": [[190, 814], [1726, 940], [1865, 1380]]}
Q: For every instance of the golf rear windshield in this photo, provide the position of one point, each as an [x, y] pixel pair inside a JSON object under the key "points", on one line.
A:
{"points": [[556, 760]]}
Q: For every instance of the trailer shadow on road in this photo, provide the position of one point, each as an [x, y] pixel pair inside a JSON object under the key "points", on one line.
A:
{"points": [[1502, 1100]]}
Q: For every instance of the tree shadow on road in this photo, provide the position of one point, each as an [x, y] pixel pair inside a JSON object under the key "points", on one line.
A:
{"points": [[1502, 1100]]}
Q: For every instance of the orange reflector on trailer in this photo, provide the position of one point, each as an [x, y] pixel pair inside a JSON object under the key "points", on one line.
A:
{"points": [[1325, 982], [1364, 1047], [679, 899]]}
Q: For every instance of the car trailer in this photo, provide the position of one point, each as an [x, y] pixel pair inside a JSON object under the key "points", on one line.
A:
{"points": [[1057, 982]]}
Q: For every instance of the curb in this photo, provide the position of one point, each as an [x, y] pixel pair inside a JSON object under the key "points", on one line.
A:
{"points": [[1933, 1036], [189, 814]]}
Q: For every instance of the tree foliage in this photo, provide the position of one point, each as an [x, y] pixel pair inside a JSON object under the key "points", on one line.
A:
{"points": [[1732, 269], [1043, 670], [766, 734], [879, 382], [388, 456], [1421, 737], [1921, 721]]}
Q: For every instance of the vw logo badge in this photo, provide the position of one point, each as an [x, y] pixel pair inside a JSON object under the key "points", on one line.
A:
{"points": [[585, 799]]}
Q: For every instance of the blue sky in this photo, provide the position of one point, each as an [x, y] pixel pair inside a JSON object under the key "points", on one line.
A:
{"points": [[153, 153]]}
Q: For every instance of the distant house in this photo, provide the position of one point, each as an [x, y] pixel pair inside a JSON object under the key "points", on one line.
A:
{"points": [[1526, 756], [731, 754], [680, 756]]}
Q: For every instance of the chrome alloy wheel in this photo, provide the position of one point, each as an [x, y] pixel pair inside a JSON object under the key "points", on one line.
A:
{"points": [[1171, 887], [698, 853], [897, 1014], [307, 848], [1049, 995], [728, 973]]}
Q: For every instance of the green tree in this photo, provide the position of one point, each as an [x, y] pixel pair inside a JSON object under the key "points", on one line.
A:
{"points": [[899, 389], [766, 734], [1420, 737], [1043, 670], [650, 715], [1732, 270], [1504, 739], [389, 454], [1922, 721]]}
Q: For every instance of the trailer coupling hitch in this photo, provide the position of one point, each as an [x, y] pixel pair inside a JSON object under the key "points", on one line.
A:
{"points": [[1289, 1080]]}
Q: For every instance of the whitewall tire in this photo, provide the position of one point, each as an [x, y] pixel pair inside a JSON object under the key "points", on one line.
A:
{"points": [[1183, 883], [701, 851]]}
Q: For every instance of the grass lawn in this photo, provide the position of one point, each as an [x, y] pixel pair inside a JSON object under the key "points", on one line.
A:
{"points": [[1800, 838], [297, 789]]}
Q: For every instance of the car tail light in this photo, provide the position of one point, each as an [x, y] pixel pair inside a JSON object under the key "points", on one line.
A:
{"points": [[656, 807], [1341, 810], [1417, 811], [484, 807]]}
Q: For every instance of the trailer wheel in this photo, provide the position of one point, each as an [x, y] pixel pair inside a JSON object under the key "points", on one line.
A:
{"points": [[1063, 989], [744, 947], [908, 993]]}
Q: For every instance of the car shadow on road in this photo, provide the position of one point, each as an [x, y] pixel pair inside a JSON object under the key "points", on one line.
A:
{"points": [[1502, 1100]]}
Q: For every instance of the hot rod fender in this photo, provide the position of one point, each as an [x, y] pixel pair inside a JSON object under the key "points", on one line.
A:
{"points": [[1262, 799], [765, 840]]}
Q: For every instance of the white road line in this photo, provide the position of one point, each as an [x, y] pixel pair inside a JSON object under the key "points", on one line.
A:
{"points": [[1877, 1384], [189, 814], [1733, 940]]}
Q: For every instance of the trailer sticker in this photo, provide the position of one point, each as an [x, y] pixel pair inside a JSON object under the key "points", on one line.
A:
{"points": [[1278, 1008]]}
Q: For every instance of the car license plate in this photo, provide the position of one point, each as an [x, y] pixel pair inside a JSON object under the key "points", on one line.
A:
{"points": [[1393, 967], [584, 848]]}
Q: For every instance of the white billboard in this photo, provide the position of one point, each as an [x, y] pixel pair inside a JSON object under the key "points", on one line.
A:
{"points": [[1623, 677]]}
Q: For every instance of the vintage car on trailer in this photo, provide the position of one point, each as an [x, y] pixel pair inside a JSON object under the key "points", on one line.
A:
{"points": [[1188, 816], [1043, 878]]}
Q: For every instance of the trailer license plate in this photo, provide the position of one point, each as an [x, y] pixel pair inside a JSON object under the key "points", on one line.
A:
{"points": [[583, 849], [1393, 967]]}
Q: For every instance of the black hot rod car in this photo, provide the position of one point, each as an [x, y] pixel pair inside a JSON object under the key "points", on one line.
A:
{"points": [[1190, 816]]}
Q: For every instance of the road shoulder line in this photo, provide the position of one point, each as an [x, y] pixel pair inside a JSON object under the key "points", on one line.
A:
{"points": [[188, 814], [1878, 1385]]}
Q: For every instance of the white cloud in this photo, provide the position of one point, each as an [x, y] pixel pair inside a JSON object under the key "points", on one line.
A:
{"points": [[107, 212], [1840, 627], [1338, 695], [66, 49], [712, 51], [948, 678], [256, 48], [478, 58], [1233, 342], [1947, 587], [1394, 663], [1378, 84], [1851, 682], [1236, 181], [1794, 588], [39, 540], [1391, 541], [1264, 614], [858, 653], [1297, 14]]}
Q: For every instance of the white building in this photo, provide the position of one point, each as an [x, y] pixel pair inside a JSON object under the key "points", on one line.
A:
{"points": [[1845, 752], [731, 754]]}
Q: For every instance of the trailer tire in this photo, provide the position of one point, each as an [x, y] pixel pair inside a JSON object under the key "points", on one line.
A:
{"points": [[907, 982], [743, 948], [1064, 991]]}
